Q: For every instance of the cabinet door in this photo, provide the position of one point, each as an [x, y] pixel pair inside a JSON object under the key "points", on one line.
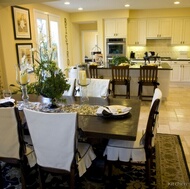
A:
{"points": [[121, 28], [176, 72], [185, 71], [110, 28], [152, 28], [186, 31], [177, 31], [137, 32], [165, 27]]}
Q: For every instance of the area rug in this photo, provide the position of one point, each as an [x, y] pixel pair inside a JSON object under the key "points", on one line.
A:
{"points": [[169, 171]]}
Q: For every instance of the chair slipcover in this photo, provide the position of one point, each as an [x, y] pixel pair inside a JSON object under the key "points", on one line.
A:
{"points": [[98, 86], [71, 82], [54, 139], [9, 139], [124, 150]]}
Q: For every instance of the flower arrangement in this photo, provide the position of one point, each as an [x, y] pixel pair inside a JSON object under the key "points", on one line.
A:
{"points": [[51, 81]]}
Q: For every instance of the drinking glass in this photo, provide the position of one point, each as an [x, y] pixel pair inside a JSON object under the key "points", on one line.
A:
{"points": [[7, 94]]}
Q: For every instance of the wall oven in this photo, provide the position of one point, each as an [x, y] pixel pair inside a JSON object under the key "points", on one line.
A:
{"points": [[115, 47]]}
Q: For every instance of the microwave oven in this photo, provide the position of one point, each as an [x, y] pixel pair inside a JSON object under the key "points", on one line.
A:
{"points": [[115, 47]]}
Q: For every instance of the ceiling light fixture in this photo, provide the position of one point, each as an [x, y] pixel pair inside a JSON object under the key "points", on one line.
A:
{"points": [[67, 3], [176, 2], [80, 8], [127, 5]]}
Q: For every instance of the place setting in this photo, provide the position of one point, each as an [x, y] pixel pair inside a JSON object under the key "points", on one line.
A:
{"points": [[114, 111]]}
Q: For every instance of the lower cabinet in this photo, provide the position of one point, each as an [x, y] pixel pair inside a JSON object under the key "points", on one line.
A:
{"points": [[181, 71]]}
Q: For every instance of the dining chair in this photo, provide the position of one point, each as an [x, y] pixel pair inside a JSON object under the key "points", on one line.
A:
{"points": [[148, 77], [72, 83], [93, 71], [13, 149], [140, 151], [98, 87], [56, 146], [120, 76]]}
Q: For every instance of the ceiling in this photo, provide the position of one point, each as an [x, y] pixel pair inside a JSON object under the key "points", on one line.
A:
{"points": [[99, 5], [96, 5]]}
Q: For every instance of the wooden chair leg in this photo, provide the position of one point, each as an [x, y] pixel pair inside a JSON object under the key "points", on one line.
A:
{"points": [[1, 179], [148, 170], [72, 177], [41, 178], [23, 175]]}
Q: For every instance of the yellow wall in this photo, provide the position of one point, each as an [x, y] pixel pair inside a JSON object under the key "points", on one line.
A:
{"points": [[8, 57]]}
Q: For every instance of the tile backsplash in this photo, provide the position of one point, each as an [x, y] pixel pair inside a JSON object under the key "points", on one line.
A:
{"points": [[161, 46]]}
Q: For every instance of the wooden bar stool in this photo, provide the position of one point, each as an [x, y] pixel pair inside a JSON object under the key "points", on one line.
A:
{"points": [[93, 71], [120, 76], [148, 77]]}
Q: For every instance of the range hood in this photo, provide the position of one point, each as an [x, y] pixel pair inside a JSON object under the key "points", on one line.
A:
{"points": [[158, 38]]}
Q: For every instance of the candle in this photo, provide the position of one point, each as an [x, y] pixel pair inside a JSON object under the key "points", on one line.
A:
{"points": [[82, 77], [23, 77]]}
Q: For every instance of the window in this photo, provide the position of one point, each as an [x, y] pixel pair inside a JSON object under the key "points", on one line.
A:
{"points": [[48, 25]]}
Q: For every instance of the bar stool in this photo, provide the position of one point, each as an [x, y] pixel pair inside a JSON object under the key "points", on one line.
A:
{"points": [[148, 77], [93, 71], [120, 76]]}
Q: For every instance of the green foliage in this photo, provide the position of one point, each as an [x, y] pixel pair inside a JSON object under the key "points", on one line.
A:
{"points": [[119, 59], [51, 81]]}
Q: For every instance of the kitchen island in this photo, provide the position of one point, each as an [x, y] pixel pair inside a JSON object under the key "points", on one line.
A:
{"points": [[163, 78]]}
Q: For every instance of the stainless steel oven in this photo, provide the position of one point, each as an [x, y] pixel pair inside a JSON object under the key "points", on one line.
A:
{"points": [[115, 47]]}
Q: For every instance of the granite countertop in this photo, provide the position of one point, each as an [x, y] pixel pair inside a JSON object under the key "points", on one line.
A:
{"points": [[136, 66]]}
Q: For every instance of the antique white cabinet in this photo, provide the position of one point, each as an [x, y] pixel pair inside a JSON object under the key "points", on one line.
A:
{"points": [[159, 27], [180, 31], [137, 32], [116, 28], [181, 71]]}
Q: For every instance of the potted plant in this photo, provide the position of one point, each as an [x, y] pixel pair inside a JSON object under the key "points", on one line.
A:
{"points": [[50, 80]]}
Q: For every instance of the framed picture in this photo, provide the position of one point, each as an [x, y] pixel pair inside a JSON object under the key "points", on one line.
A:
{"points": [[24, 49], [21, 22]]}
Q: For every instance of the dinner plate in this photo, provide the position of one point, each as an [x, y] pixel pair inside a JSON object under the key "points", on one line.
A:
{"points": [[119, 110]]}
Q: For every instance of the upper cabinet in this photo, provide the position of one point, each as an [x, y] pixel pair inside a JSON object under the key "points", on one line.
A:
{"points": [[137, 32], [180, 31], [116, 28], [159, 27]]}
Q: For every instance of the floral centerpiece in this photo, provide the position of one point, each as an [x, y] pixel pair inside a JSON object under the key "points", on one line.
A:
{"points": [[51, 81]]}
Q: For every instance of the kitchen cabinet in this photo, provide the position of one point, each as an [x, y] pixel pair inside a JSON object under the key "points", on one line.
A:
{"points": [[159, 28], [137, 32], [181, 71], [116, 28], [180, 31]]}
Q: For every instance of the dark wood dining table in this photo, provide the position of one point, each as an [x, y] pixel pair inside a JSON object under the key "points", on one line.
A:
{"points": [[93, 126]]}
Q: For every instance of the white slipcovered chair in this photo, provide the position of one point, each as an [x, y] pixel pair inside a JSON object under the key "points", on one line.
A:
{"points": [[141, 150], [55, 144], [13, 149], [97, 87], [72, 83]]}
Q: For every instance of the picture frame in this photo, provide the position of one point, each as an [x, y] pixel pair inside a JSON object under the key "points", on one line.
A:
{"points": [[24, 49], [21, 22]]}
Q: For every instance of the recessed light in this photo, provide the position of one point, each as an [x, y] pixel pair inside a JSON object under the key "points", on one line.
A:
{"points": [[67, 3], [80, 8], [127, 5], [176, 2]]}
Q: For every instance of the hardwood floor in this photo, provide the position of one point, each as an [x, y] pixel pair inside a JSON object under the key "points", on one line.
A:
{"points": [[174, 116]]}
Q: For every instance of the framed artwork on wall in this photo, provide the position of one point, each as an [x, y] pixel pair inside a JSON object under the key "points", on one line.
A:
{"points": [[24, 51], [21, 22]]}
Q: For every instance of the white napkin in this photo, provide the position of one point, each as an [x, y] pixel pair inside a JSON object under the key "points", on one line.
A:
{"points": [[7, 100], [100, 110]]}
